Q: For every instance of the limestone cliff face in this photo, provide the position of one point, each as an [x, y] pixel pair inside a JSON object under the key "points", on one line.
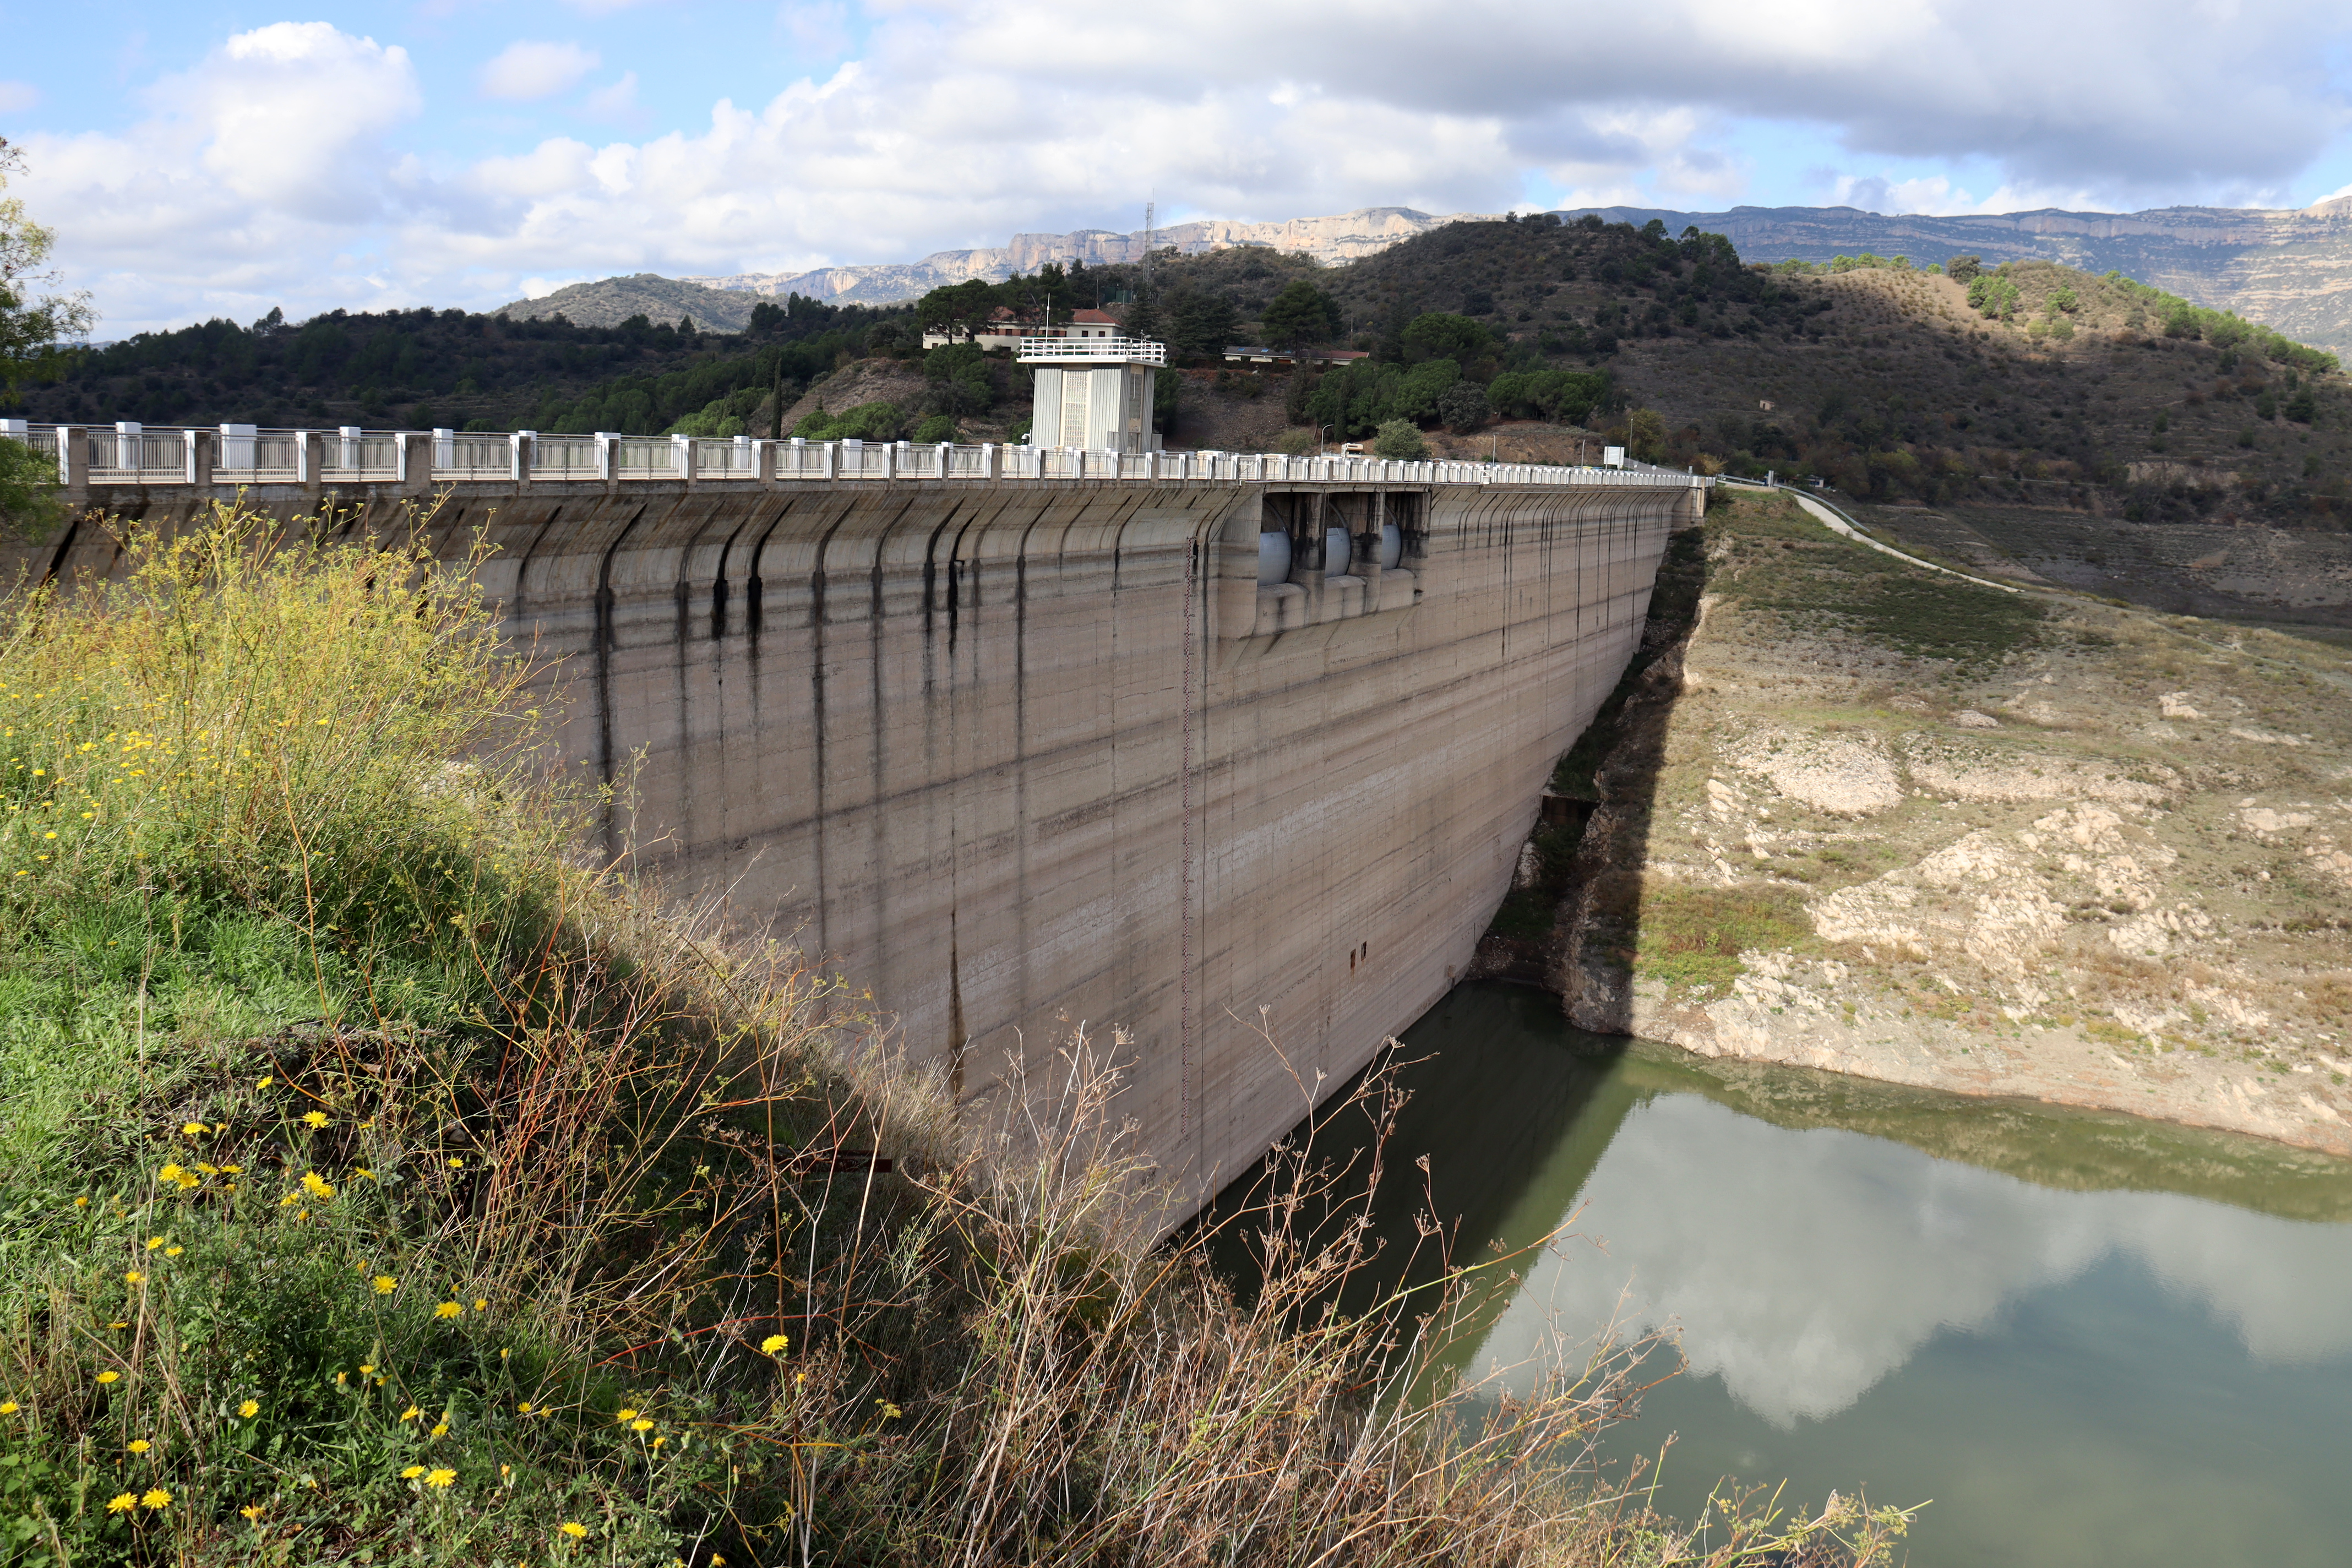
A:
{"points": [[2020, 846]]}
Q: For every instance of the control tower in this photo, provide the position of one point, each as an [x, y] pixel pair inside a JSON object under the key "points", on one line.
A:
{"points": [[1094, 390]]}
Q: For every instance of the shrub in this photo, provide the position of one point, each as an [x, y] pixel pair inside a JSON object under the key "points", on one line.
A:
{"points": [[1400, 441], [1464, 407], [866, 422], [938, 427]]}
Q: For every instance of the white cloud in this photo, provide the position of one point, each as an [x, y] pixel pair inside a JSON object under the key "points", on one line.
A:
{"points": [[526, 69], [618, 100]]}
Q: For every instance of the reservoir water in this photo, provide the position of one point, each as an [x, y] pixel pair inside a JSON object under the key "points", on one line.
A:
{"points": [[2078, 1339]]}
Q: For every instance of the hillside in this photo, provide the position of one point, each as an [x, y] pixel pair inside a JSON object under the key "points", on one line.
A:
{"points": [[1857, 815], [2287, 269]]}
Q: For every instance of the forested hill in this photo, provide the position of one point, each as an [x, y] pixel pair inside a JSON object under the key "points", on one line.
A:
{"points": [[427, 368]]}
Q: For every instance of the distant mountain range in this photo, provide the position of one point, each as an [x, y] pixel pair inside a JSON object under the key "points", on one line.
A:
{"points": [[2290, 270]]}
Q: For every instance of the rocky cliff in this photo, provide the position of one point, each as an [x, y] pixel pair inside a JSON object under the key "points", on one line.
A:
{"points": [[1860, 816]]}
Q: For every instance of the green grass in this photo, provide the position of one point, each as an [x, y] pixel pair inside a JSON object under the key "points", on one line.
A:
{"points": [[1689, 939]]}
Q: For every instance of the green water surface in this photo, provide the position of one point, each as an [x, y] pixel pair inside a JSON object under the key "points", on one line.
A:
{"points": [[2078, 1339]]}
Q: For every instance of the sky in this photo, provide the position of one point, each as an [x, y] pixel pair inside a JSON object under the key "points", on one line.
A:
{"points": [[218, 159]]}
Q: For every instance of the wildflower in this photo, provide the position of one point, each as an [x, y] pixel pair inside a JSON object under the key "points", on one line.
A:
{"points": [[249, 1409], [889, 1411], [365, 1368], [342, 1378], [411, 1473], [133, 1276], [7, 1407], [457, 1164], [157, 1497], [363, 1171], [411, 1414], [479, 1304], [121, 1503], [441, 1430], [251, 1510], [574, 1531], [140, 1446], [231, 1170], [153, 1242], [81, 1203], [194, 1129], [524, 1408], [447, 1310], [264, 1083], [174, 1251], [168, 1174], [385, 1284], [641, 1424], [314, 1118], [660, 1440], [440, 1478], [290, 1200], [316, 1185], [187, 1179], [775, 1343], [627, 1415]]}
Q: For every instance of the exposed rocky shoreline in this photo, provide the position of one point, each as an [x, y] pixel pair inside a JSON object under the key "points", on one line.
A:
{"points": [[1853, 817]]}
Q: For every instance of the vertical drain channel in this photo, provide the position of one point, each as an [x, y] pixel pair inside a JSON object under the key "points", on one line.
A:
{"points": [[1184, 786]]}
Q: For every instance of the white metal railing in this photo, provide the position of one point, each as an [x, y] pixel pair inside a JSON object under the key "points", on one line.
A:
{"points": [[466, 455], [241, 455], [1133, 351], [562, 458]]}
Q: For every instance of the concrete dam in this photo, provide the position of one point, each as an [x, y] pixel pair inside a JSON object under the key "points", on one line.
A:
{"points": [[1236, 753]]}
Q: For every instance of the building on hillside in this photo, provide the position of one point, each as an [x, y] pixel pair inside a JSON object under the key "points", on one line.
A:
{"points": [[1251, 354], [1007, 328], [1094, 389]]}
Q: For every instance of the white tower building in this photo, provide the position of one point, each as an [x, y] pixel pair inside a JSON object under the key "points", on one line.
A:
{"points": [[1094, 391]]}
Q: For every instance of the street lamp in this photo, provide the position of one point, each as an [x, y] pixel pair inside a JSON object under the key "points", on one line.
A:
{"points": [[1320, 430]]}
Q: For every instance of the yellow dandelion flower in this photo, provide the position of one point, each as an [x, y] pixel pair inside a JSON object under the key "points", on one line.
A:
{"points": [[153, 1242], [411, 1473], [316, 1185], [627, 1415], [385, 1284], [366, 1367], [314, 1118], [441, 1430], [411, 1414], [574, 1531], [457, 1164], [342, 1378], [231, 1170], [251, 1510], [122, 1503], [524, 1408], [188, 1179], [139, 1446], [174, 1251], [168, 1174], [439, 1478], [447, 1310], [641, 1424], [660, 1440], [774, 1344], [363, 1171], [479, 1304], [81, 1203], [192, 1129], [249, 1409], [7, 1407], [266, 1082], [156, 1497], [132, 1278]]}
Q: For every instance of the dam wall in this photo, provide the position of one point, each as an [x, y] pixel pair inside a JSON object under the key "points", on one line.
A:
{"points": [[1019, 756]]}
